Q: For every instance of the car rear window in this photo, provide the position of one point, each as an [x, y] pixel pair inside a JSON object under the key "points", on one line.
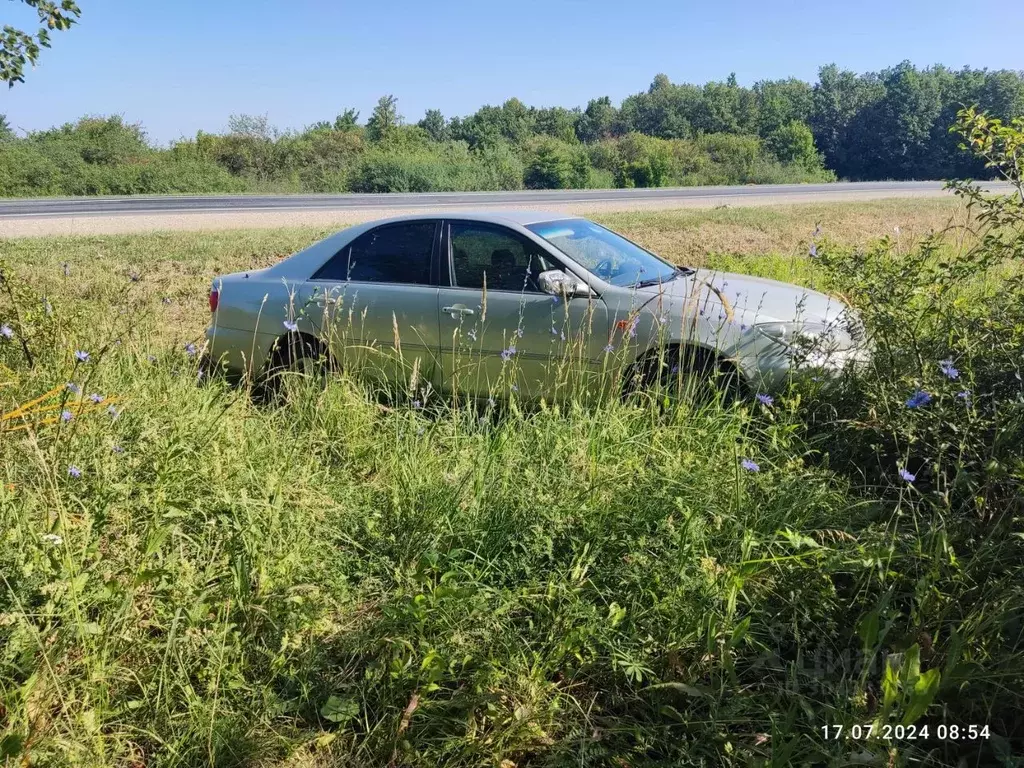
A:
{"points": [[396, 253]]}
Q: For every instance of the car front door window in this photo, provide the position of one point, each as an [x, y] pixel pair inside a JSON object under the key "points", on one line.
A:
{"points": [[498, 260]]}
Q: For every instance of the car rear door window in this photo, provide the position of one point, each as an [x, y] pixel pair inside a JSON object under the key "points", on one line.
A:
{"points": [[497, 256], [396, 253]]}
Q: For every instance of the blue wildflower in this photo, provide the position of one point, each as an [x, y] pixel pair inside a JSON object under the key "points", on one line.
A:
{"points": [[190, 349], [508, 354], [918, 399], [965, 395], [74, 388], [96, 398], [813, 251], [66, 415], [117, 449], [417, 404], [609, 348], [74, 472], [750, 466], [6, 331], [766, 399], [907, 476], [947, 368], [82, 357], [291, 325]]}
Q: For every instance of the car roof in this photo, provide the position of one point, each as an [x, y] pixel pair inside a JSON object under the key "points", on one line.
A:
{"points": [[496, 216]]}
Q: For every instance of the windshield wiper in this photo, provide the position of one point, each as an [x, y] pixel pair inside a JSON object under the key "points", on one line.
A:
{"points": [[659, 280]]}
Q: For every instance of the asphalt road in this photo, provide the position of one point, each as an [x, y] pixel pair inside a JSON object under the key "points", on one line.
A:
{"points": [[111, 215], [178, 204]]}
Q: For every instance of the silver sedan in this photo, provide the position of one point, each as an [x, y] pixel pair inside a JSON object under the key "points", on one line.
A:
{"points": [[488, 303]]}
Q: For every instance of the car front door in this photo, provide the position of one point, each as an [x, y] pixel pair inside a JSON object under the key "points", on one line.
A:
{"points": [[499, 332], [376, 303]]}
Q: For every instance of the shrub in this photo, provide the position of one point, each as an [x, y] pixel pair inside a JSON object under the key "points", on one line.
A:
{"points": [[794, 143], [499, 167], [446, 168], [934, 428], [555, 164], [643, 161]]}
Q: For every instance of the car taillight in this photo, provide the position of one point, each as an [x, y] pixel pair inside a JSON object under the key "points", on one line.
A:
{"points": [[214, 299]]}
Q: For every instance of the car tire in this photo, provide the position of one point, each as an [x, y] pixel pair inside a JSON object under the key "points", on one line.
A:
{"points": [[682, 371], [295, 355]]}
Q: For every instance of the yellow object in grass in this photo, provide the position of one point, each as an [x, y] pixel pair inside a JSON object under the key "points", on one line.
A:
{"points": [[26, 413]]}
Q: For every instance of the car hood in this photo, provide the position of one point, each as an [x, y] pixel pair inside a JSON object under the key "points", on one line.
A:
{"points": [[756, 299]]}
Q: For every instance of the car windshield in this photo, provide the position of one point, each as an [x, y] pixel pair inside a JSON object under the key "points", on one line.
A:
{"points": [[611, 257]]}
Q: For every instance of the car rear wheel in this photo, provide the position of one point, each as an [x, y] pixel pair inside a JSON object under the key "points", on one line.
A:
{"points": [[296, 358]]}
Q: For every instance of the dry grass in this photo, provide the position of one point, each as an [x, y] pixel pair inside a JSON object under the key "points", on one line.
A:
{"points": [[693, 236]]}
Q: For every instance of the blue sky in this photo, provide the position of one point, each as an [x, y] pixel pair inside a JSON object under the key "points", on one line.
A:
{"points": [[182, 65]]}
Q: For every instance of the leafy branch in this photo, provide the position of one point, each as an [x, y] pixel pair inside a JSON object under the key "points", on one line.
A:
{"points": [[18, 47]]}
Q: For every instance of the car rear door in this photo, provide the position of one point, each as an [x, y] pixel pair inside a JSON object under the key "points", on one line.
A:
{"points": [[376, 303], [498, 331]]}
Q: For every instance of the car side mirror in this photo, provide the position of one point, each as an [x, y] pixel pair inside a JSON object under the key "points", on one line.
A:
{"points": [[559, 283]]}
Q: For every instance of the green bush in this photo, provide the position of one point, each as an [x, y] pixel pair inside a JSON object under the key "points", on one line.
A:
{"points": [[794, 143], [104, 157], [446, 168], [499, 166], [555, 164], [643, 161]]}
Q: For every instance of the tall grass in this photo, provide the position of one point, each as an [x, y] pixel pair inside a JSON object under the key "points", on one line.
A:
{"points": [[225, 583], [189, 577]]}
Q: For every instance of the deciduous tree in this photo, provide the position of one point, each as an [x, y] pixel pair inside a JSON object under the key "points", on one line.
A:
{"points": [[18, 47]]}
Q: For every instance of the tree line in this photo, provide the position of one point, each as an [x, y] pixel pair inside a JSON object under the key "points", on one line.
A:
{"points": [[891, 124]]}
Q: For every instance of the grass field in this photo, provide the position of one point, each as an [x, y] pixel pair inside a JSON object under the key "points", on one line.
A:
{"points": [[191, 578]]}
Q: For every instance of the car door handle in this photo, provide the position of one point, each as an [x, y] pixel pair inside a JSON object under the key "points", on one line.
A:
{"points": [[456, 311]]}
